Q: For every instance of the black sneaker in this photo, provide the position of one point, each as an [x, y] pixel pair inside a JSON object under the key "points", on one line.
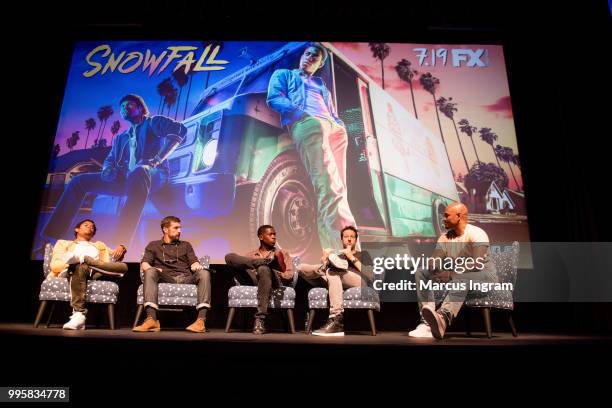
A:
{"points": [[333, 327], [259, 327]]}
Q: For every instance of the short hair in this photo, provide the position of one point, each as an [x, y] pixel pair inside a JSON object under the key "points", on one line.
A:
{"points": [[349, 227], [84, 221], [321, 48], [138, 99], [169, 220], [263, 228]]}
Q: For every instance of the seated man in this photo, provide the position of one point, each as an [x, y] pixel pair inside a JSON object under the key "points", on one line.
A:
{"points": [[174, 261], [348, 269], [136, 166], [267, 267], [462, 240], [76, 259]]}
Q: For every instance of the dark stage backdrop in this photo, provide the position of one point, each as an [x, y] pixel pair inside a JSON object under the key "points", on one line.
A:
{"points": [[557, 86]]}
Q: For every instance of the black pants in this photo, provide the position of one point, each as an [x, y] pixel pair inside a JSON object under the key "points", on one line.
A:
{"points": [[264, 277], [78, 275]]}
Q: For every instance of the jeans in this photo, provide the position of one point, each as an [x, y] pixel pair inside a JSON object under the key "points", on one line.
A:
{"points": [[153, 276], [453, 301], [138, 184]]}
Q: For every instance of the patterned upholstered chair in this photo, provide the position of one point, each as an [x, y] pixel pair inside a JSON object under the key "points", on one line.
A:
{"points": [[171, 297], [245, 296], [506, 262], [352, 298], [57, 289]]}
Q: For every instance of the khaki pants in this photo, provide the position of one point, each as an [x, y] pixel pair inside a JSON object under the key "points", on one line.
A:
{"points": [[336, 279]]}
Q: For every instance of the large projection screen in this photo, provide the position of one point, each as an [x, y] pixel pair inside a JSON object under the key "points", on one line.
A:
{"points": [[425, 125]]}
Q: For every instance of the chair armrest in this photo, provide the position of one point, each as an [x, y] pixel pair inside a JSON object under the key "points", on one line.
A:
{"points": [[205, 262], [296, 262]]}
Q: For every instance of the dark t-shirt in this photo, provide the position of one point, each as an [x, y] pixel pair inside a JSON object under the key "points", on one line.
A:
{"points": [[175, 258]]}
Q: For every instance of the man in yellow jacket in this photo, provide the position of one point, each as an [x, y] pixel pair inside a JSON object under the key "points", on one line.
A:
{"points": [[75, 259]]}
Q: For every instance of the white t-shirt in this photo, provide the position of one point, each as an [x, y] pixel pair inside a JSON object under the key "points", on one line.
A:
{"points": [[463, 246], [80, 251]]}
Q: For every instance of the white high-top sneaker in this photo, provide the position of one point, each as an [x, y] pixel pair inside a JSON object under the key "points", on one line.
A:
{"points": [[338, 262], [421, 331], [76, 322]]}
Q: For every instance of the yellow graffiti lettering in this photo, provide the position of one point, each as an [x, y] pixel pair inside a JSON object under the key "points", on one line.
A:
{"points": [[105, 49], [102, 59], [135, 65]]}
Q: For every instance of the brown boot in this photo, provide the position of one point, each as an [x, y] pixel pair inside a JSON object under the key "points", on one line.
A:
{"points": [[149, 325], [198, 326]]}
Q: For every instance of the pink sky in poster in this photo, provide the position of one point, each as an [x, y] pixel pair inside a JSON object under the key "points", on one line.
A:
{"points": [[481, 93]]}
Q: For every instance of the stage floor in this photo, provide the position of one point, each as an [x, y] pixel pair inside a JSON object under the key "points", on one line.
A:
{"points": [[385, 338], [174, 359]]}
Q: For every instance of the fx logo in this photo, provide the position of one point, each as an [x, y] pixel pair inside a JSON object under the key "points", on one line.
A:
{"points": [[470, 58]]}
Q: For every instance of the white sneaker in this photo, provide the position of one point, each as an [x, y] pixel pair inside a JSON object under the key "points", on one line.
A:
{"points": [[337, 262], [422, 331], [76, 322]]}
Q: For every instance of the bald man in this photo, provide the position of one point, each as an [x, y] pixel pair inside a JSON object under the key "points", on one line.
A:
{"points": [[461, 242]]}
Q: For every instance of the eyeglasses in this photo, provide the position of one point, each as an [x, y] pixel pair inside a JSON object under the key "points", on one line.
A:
{"points": [[169, 260]]}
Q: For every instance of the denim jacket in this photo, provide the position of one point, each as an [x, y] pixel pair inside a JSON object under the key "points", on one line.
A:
{"points": [[153, 134], [287, 95]]}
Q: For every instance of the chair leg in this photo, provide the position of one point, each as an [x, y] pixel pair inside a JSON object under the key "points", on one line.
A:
{"points": [[230, 318], [39, 314], [512, 326], [291, 321], [50, 314], [138, 313], [372, 322], [111, 316], [311, 316], [486, 315], [468, 326]]}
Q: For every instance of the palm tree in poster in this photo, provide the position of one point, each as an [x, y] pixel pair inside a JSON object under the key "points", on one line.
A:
{"points": [[171, 98], [115, 129], [56, 151], [508, 157], [429, 83], [73, 140], [90, 124], [448, 108], [164, 88], [181, 80], [380, 51], [469, 130], [104, 113], [489, 138], [499, 155], [406, 74], [517, 162]]}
